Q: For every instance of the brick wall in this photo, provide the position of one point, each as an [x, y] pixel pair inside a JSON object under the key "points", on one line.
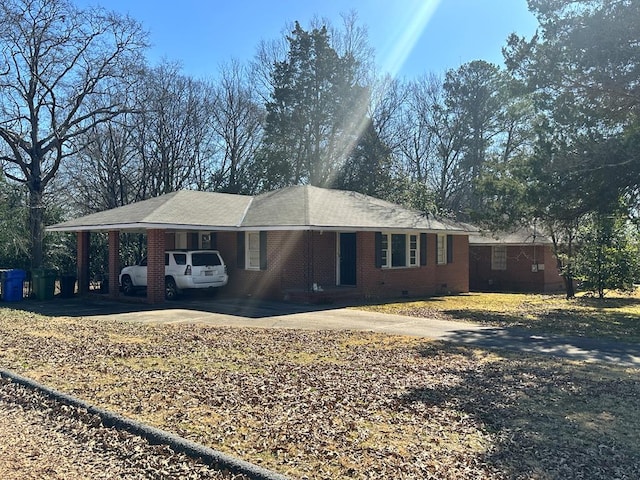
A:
{"points": [[324, 251], [298, 259], [114, 262], [155, 265], [424, 280], [519, 275], [287, 266]]}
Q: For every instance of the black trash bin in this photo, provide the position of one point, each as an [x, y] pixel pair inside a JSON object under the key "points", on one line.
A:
{"points": [[67, 285]]}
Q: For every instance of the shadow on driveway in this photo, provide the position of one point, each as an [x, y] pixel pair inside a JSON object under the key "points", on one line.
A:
{"points": [[271, 314], [575, 348], [97, 305]]}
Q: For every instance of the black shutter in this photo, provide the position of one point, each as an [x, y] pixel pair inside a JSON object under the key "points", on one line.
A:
{"points": [[213, 240], [240, 250], [449, 248], [423, 249], [192, 240], [378, 247], [263, 250]]}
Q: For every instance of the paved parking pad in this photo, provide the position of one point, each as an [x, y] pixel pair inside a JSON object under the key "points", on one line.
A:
{"points": [[262, 314]]}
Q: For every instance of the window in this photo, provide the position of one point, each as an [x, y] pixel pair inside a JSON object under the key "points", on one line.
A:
{"points": [[398, 250], [253, 251], [441, 249], [180, 258], [499, 257], [413, 250], [205, 259], [384, 249], [181, 240], [208, 240]]}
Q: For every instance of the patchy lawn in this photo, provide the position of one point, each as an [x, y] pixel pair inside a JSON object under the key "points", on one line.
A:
{"points": [[330, 405], [615, 317]]}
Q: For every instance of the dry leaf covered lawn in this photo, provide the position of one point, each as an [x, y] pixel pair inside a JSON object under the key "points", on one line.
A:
{"points": [[616, 317], [331, 405], [41, 438]]}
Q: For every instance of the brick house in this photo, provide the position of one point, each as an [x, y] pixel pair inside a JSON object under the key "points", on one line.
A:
{"points": [[519, 261], [300, 243]]}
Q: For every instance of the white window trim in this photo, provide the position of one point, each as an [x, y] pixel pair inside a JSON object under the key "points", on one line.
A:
{"points": [[249, 250], [441, 249], [181, 240], [387, 252], [204, 238]]}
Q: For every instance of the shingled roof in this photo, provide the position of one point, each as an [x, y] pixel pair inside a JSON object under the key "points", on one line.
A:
{"points": [[521, 236], [291, 208], [184, 209]]}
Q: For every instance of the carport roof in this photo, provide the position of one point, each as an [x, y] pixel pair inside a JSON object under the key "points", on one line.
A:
{"points": [[291, 208], [184, 209]]}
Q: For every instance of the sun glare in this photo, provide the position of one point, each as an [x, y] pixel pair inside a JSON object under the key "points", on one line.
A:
{"points": [[418, 14]]}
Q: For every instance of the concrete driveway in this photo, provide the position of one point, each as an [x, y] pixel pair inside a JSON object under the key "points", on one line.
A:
{"points": [[260, 314]]}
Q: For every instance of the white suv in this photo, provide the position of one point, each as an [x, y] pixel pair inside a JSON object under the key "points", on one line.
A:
{"points": [[184, 269]]}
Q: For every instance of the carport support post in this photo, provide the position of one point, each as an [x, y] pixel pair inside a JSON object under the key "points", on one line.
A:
{"points": [[155, 265], [114, 262], [83, 262]]}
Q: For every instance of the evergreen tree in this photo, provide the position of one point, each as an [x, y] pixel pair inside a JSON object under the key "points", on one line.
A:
{"points": [[316, 112]]}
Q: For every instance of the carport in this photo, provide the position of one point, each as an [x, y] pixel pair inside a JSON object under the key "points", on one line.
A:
{"points": [[178, 212]]}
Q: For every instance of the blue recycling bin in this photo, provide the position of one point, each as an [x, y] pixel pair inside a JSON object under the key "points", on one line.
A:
{"points": [[12, 285]]}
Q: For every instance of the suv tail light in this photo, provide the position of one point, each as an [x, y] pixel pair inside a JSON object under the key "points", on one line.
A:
{"points": [[187, 271]]}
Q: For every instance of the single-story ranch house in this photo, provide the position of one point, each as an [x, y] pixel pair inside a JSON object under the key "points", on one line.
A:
{"points": [[299, 243], [519, 261]]}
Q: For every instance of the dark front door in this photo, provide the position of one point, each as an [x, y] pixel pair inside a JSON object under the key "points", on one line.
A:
{"points": [[347, 259]]}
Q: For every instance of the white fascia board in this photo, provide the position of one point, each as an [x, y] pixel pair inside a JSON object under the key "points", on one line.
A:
{"points": [[138, 227], [141, 226], [344, 228]]}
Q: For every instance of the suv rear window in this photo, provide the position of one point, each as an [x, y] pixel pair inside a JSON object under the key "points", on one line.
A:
{"points": [[203, 259], [180, 258]]}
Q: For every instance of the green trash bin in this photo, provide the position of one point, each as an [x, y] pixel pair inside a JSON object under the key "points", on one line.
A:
{"points": [[43, 283]]}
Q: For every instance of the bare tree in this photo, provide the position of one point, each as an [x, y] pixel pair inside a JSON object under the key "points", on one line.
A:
{"points": [[54, 60], [174, 131], [237, 122], [105, 172], [431, 145]]}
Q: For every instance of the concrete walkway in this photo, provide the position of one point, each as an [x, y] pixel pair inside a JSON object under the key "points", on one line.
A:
{"points": [[244, 313]]}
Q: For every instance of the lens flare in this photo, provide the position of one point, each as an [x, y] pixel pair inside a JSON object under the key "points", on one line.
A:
{"points": [[419, 13]]}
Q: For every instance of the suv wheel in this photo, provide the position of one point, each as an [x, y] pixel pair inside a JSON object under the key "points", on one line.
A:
{"points": [[170, 289], [127, 285]]}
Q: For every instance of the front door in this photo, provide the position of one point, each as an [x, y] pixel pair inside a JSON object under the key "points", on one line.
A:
{"points": [[347, 259]]}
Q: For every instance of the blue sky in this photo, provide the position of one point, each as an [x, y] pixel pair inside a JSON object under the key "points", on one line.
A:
{"points": [[410, 37]]}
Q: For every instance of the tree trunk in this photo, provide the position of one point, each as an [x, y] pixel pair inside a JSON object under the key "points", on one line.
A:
{"points": [[568, 283], [36, 225]]}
